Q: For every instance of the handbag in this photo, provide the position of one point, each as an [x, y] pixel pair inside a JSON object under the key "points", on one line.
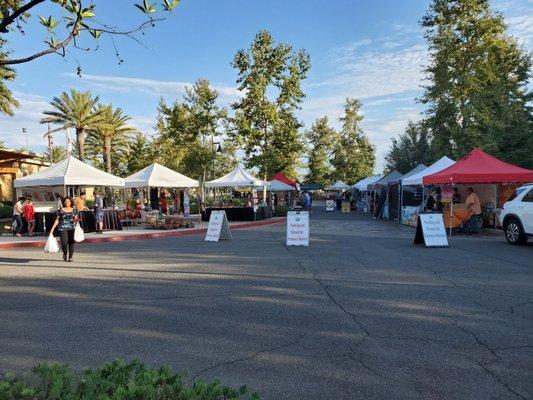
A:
{"points": [[51, 245], [79, 236]]}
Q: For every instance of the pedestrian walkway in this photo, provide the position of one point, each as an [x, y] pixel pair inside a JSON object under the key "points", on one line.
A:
{"points": [[132, 233]]}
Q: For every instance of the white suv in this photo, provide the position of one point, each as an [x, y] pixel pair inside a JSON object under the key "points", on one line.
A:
{"points": [[516, 216]]}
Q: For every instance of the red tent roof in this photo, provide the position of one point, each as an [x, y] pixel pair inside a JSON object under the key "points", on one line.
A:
{"points": [[282, 178], [480, 167]]}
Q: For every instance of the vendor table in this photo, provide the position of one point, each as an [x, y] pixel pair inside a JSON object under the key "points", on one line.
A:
{"points": [[88, 222], [240, 213], [459, 216]]}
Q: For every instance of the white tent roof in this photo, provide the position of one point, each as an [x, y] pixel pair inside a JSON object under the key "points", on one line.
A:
{"points": [[69, 172], [275, 185], [339, 185], [363, 183], [437, 166], [157, 175], [239, 177]]}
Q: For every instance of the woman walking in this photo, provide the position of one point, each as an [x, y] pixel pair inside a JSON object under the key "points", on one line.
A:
{"points": [[66, 220]]}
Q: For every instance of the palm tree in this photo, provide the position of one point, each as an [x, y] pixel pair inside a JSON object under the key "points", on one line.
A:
{"points": [[76, 110], [7, 101], [55, 154], [110, 138]]}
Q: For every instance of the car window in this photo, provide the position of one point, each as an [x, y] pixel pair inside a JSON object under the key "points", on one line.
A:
{"points": [[516, 193], [528, 197]]}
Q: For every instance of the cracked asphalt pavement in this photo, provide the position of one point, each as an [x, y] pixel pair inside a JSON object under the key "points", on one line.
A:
{"points": [[360, 314]]}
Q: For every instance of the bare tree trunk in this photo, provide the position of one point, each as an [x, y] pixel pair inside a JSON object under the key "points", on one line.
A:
{"points": [[80, 143], [107, 155]]}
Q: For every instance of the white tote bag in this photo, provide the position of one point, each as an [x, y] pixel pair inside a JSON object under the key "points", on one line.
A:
{"points": [[79, 236], [51, 245]]}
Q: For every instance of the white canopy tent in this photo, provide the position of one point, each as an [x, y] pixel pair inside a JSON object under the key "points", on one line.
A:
{"points": [[239, 177], [69, 172], [157, 175], [437, 166], [340, 185], [363, 183], [275, 185]]}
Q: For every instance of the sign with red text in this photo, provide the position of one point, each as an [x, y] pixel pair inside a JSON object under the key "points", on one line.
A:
{"points": [[218, 228], [298, 228]]}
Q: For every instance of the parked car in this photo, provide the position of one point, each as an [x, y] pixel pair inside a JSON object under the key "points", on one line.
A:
{"points": [[516, 216]]}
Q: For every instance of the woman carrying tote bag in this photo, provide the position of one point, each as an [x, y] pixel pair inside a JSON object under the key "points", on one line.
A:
{"points": [[67, 218]]}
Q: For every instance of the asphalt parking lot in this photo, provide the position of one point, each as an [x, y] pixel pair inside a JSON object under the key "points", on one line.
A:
{"points": [[360, 314]]}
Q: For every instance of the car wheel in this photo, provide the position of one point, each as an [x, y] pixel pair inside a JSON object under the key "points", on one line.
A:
{"points": [[513, 232]]}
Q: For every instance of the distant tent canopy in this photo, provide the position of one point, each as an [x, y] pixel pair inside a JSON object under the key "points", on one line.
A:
{"points": [[280, 182], [416, 179], [339, 185], [69, 172], [157, 175], [239, 177], [309, 186], [419, 168], [363, 183], [383, 182], [480, 167]]}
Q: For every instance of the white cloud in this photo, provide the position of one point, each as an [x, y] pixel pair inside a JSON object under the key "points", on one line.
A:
{"points": [[153, 87]]}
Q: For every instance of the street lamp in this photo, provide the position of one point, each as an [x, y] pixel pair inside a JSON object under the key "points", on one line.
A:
{"points": [[25, 132]]}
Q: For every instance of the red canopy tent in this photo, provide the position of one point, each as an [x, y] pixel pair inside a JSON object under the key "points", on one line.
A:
{"points": [[282, 178], [480, 167]]}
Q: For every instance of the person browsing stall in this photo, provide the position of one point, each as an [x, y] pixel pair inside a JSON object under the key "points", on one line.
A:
{"points": [[456, 196], [473, 204], [17, 216], [66, 220], [99, 212], [29, 215], [79, 202]]}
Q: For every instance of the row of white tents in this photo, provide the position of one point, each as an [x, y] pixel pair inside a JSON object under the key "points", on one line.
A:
{"points": [[73, 172]]}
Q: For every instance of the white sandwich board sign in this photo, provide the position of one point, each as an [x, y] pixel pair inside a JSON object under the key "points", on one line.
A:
{"points": [[218, 228], [298, 228], [431, 231]]}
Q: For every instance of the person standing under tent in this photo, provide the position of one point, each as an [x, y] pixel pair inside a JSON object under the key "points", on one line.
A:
{"points": [[473, 204], [456, 196], [17, 216], [66, 220], [29, 215], [338, 199], [79, 202], [99, 212]]}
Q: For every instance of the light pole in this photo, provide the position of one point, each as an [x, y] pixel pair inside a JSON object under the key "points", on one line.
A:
{"points": [[25, 132]]}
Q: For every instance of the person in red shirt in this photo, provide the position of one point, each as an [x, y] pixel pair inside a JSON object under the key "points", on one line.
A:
{"points": [[29, 215]]}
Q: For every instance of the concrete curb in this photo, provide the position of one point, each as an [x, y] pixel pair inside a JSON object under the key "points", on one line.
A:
{"points": [[143, 236]]}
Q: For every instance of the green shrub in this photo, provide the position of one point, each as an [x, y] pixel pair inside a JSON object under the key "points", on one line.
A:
{"points": [[6, 210], [116, 380], [280, 211]]}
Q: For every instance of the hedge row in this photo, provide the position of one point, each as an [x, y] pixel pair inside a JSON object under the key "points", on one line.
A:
{"points": [[116, 380]]}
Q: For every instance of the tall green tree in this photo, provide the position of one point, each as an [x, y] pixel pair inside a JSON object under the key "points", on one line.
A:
{"points": [[75, 110], [7, 102], [321, 138], [477, 93], [409, 149], [353, 155], [110, 138], [139, 155], [55, 154], [69, 22], [265, 126], [187, 131]]}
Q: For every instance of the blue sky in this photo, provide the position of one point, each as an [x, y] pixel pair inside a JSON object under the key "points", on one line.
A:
{"points": [[372, 50]]}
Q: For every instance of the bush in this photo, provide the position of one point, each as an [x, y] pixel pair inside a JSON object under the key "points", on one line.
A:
{"points": [[116, 380], [281, 211], [6, 210]]}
